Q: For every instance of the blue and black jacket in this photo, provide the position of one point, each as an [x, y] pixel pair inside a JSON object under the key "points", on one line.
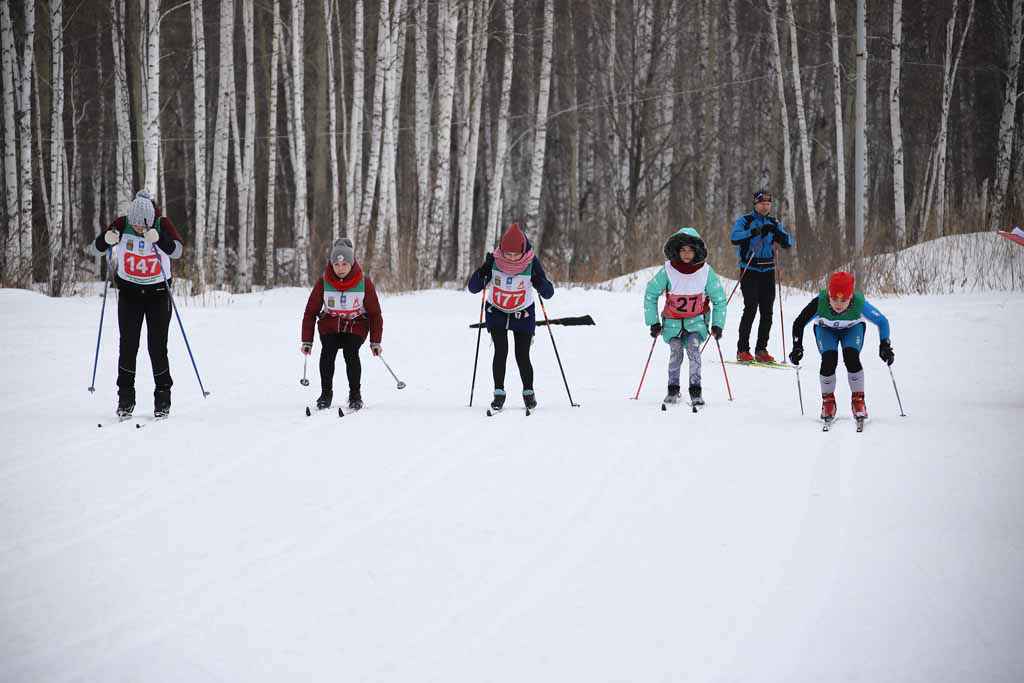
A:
{"points": [[757, 234], [520, 321]]}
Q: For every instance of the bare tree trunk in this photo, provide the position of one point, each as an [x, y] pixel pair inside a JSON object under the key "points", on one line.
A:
{"points": [[735, 183], [387, 219], [56, 220], [423, 135], [298, 96], [25, 250], [222, 131], [1008, 117], [447, 32], [837, 97], [201, 215], [332, 125], [896, 126], [377, 125], [151, 83], [245, 152], [787, 164], [275, 53], [860, 137], [11, 184], [501, 142], [354, 184], [541, 128], [476, 53], [801, 120]]}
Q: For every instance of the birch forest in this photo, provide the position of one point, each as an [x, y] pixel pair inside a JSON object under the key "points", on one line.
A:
{"points": [[268, 128]]}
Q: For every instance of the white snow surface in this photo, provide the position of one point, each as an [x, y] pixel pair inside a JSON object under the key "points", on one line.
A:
{"points": [[419, 540]]}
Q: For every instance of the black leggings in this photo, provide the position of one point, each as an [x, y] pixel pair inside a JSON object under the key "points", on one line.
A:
{"points": [[758, 296], [349, 345], [522, 342], [830, 359], [132, 307]]}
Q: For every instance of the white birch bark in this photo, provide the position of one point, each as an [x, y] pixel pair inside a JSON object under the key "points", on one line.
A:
{"points": [[24, 78], [246, 151], [423, 132], [199, 142], [298, 96], [735, 182], [447, 31], [541, 128], [837, 100], [44, 178], [56, 220], [801, 120], [787, 164], [332, 125], [377, 124], [122, 143], [217, 209], [1004, 153], [501, 139], [354, 181], [11, 184], [151, 84], [269, 261], [386, 251], [860, 137], [896, 125], [476, 52]]}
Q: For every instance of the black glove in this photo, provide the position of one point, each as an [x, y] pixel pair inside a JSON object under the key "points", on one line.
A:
{"points": [[797, 354], [885, 352], [716, 331], [761, 231], [484, 271], [780, 236], [655, 330]]}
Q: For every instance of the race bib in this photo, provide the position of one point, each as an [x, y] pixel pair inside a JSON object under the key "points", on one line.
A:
{"points": [[683, 305]]}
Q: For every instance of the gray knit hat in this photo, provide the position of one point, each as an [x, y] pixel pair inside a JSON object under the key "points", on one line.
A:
{"points": [[141, 211], [343, 250]]}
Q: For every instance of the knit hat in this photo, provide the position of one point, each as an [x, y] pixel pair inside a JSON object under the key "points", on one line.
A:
{"points": [[343, 250], [762, 196], [142, 211], [513, 241], [840, 285]]}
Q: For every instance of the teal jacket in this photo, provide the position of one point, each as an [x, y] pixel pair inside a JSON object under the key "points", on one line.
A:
{"points": [[671, 327]]}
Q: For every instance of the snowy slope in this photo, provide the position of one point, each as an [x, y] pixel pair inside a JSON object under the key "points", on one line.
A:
{"points": [[421, 541]]}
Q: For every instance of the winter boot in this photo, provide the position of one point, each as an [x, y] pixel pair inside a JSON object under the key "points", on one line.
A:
{"points": [[125, 408], [324, 401], [744, 357], [695, 397], [499, 399], [828, 406], [161, 403], [529, 399], [673, 394], [355, 399], [763, 356], [857, 404]]}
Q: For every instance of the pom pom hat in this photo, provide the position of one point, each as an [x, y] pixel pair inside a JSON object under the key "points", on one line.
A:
{"points": [[142, 211]]}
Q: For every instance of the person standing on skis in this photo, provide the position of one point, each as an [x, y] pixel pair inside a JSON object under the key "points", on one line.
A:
{"points": [[755, 235], [344, 303], [141, 245], [514, 272], [839, 312], [688, 283]]}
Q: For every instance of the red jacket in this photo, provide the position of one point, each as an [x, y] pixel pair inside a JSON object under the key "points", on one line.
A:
{"points": [[372, 322]]}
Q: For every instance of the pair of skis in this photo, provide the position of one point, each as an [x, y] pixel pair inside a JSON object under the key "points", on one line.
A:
{"points": [[341, 413], [129, 418], [492, 411], [827, 422], [694, 407]]}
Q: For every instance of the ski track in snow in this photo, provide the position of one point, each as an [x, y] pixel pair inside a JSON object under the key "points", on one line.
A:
{"points": [[419, 540]]}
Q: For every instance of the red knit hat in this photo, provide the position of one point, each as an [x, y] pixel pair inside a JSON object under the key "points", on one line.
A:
{"points": [[513, 241], [840, 285]]}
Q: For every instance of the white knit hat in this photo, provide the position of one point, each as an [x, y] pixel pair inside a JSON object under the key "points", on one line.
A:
{"points": [[141, 211]]}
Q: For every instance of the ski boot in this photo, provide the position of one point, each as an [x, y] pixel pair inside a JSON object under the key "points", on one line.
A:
{"points": [[695, 397], [355, 400], [161, 403], [860, 411], [324, 401], [499, 400], [828, 407], [529, 399], [125, 408], [763, 356], [673, 394], [744, 357]]}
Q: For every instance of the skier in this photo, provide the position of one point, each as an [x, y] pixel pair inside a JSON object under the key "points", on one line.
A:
{"points": [[141, 245], [344, 303], [687, 282], [754, 234], [513, 272], [839, 313]]}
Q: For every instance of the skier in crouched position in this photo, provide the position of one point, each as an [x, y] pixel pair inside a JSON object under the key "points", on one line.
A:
{"points": [[344, 303], [513, 272], [142, 244], [688, 283], [839, 313]]}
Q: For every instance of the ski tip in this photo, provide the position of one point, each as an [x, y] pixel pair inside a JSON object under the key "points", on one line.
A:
{"points": [[527, 412], [138, 426], [664, 407], [308, 412], [340, 414], [489, 413], [694, 408], [100, 425]]}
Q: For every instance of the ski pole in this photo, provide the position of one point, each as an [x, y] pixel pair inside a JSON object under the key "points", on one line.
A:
{"points": [[778, 293], [724, 373], [476, 357], [180, 325], [734, 288], [902, 414], [653, 342], [799, 390], [557, 357], [401, 384], [103, 308], [305, 361]]}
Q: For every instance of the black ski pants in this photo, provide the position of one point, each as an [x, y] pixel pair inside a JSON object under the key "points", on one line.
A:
{"points": [[133, 306], [758, 296], [349, 345], [522, 342]]}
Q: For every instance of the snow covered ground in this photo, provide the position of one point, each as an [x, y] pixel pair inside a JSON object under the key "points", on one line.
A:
{"points": [[422, 541]]}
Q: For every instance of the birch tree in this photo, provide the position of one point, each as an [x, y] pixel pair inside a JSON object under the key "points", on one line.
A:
{"points": [[151, 87], [860, 135], [8, 58], [354, 187], [787, 164], [837, 100], [268, 257], [245, 152], [199, 143], [57, 236], [476, 53], [541, 127], [501, 139], [801, 121], [376, 122], [1004, 152], [24, 105], [298, 114], [332, 125], [423, 131], [896, 126], [122, 123], [217, 215], [737, 93], [393, 107]]}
